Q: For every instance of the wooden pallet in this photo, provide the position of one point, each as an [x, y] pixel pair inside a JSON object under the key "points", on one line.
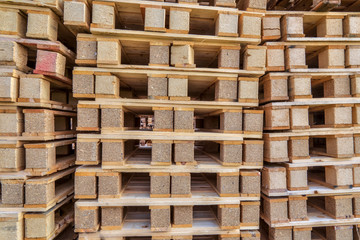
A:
{"points": [[193, 53], [93, 183], [35, 194], [148, 220], [45, 225]]}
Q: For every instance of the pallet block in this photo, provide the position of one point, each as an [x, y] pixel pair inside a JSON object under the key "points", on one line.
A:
{"points": [[183, 119], [356, 145], [231, 121], [351, 26], [109, 184], [12, 192], [275, 210], [352, 59], [300, 87], [42, 25], [88, 152], [253, 152], [231, 152], [112, 218], [339, 176], [298, 208], [88, 118], [250, 183], [250, 25], [184, 152], [252, 5], [298, 148], [299, 117], [330, 26], [339, 207], [83, 84], [228, 216], [271, 27], [356, 205], [178, 87], [85, 185], [154, 18], [13, 54], [254, 58], [11, 121], [161, 152], [280, 233], [292, 25], [13, 22], [108, 51], [103, 15], [86, 50], [12, 157], [182, 216], [277, 118], [163, 119], [179, 20], [12, 225], [248, 89], [159, 54], [180, 185], [249, 214], [275, 58], [295, 57], [276, 149], [226, 89], [157, 87], [44, 122], [275, 88], [356, 115], [224, 3], [302, 233], [340, 115], [182, 54], [250, 235], [337, 86], [339, 232], [9, 80], [332, 57], [297, 178], [50, 63], [340, 146], [77, 15], [112, 117], [274, 179], [253, 121], [229, 57], [47, 158], [160, 218], [159, 185], [87, 218], [112, 152], [227, 184], [107, 85], [227, 24], [356, 171]]}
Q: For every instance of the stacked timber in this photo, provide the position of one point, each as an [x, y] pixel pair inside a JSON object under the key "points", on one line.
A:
{"points": [[37, 118], [310, 96], [171, 143]]}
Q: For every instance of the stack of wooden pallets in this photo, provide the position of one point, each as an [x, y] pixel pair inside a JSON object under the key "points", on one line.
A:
{"points": [[37, 117], [169, 140], [310, 182]]}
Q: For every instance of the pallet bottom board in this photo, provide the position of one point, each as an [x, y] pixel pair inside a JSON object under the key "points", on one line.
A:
{"points": [[315, 189], [316, 219]]}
